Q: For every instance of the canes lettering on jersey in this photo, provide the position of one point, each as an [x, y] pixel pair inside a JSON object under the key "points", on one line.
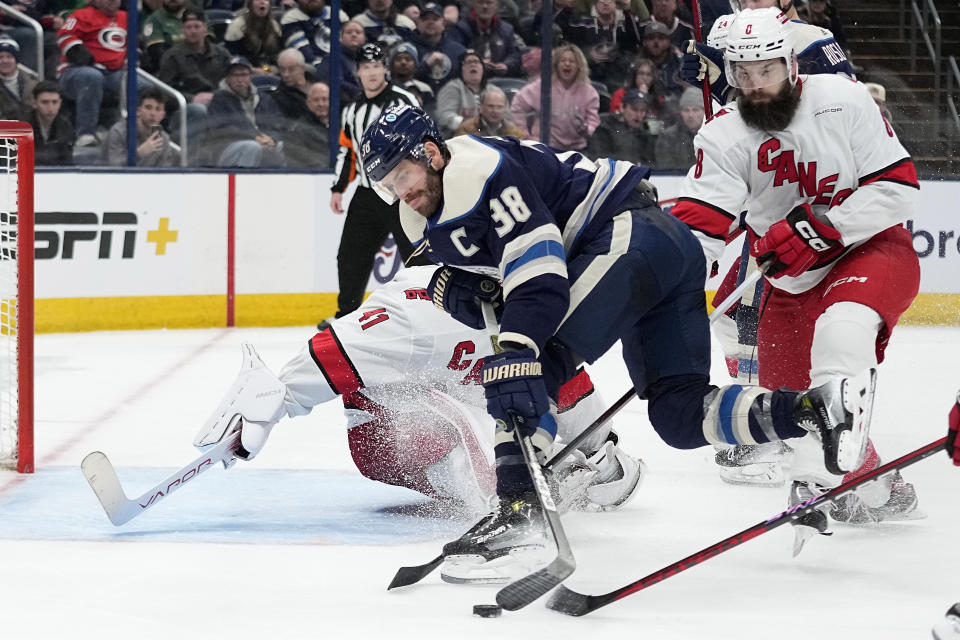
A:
{"points": [[771, 157]]}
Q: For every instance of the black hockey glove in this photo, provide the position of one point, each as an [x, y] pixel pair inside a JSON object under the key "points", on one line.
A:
{"points": [[461, 294], [516, 393]]}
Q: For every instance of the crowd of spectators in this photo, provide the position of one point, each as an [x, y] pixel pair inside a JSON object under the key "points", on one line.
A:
{"points": [[256, 75]]}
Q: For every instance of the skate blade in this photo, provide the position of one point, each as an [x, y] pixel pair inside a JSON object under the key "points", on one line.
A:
{"points": [[802, 533], [475, 569], [760, 474]]}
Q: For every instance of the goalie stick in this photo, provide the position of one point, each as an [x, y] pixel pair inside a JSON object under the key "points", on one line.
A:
{"points": [[570, 602], [407, 576], [120, 509]]}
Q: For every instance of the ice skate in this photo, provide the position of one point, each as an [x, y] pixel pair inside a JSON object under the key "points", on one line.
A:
{"points": [[900, 505], [811, 523], [506, 544], [756, 465], [602, 481], [839, 412], [949, 627]]}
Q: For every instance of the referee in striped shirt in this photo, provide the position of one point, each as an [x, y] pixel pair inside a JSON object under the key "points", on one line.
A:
{"points": [[369, 218]]}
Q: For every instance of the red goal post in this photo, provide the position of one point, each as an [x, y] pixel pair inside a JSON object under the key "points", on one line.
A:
{"points": [[16, 296]]}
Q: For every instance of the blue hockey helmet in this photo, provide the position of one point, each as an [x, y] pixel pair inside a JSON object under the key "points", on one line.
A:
{"points": [[398, 134]]}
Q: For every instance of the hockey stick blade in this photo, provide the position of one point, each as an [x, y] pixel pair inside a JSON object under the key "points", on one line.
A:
{"points": [[570, 602], [103, 479], [412, 575]]}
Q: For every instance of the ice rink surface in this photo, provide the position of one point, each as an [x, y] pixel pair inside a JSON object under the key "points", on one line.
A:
{"points": [[296, 544]]}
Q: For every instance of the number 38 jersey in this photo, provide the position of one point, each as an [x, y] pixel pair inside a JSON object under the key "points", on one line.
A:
{"points": [[838, 154], [520, 211]]}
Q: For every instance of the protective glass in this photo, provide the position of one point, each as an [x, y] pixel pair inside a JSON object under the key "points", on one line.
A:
{"points": [[756, 74]]}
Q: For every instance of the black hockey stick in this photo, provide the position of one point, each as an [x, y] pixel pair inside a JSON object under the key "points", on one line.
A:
{"points": [[572, 603], [522, 592]]}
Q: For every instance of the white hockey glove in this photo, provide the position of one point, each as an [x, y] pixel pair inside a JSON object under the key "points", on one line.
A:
{"points": [[253, 404]]}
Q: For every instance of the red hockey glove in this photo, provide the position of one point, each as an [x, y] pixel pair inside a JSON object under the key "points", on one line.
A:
{"points": [[793, 245], [954, 421]]}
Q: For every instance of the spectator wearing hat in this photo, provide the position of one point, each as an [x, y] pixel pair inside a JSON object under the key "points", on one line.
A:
{"points": [[625, 135], [93, 44], [195, 65], [438, 52], [484, 32], [493, 118], [53, 135], [154, 147], [309, 142], [306, 28], [369, 219], [161, 30], [385, 25], [255, 35], [658, 48], [402, 64], [244, 124], [575, 103], [675, 148], [16, 98], [291, 94], [459, 99], [664, 12]]}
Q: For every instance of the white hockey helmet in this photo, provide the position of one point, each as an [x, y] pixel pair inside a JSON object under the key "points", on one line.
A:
{"points": [[718, 32], [758, 35]]}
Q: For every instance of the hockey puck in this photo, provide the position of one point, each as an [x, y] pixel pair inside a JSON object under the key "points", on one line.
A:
{"points": [[487, 610]]}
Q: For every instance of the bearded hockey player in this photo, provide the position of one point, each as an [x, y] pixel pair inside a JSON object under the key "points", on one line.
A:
{"points": [[826, 186], [408, 375], [586, 258]]}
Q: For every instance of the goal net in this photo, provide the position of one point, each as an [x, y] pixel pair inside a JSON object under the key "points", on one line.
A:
{"points": [[16, 296]]}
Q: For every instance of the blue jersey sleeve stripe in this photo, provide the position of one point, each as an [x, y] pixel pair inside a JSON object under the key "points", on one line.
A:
{"points": [[538, 251], [612, 166]]}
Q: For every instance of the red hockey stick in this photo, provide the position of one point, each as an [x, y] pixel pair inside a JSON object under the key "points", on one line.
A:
{"points": [[572, 603]]}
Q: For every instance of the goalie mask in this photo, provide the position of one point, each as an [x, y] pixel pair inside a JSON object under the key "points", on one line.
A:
{"points": [[759, 51], [398, 134]]}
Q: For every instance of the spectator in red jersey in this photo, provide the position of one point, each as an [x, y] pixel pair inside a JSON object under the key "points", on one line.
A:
{"points": [[93, 44]]}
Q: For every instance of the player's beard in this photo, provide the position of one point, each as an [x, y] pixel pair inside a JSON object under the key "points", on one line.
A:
{"points": [[773, 115], [431, 195]]}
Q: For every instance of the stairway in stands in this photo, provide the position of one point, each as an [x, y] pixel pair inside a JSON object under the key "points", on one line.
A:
{"points": [[926, 130]]}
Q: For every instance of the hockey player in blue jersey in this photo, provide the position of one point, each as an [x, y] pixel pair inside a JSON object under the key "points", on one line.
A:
{"points": [[585, 258]]}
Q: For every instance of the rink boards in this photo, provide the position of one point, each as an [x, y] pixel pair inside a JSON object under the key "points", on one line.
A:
{"points": [[146, 250]]}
